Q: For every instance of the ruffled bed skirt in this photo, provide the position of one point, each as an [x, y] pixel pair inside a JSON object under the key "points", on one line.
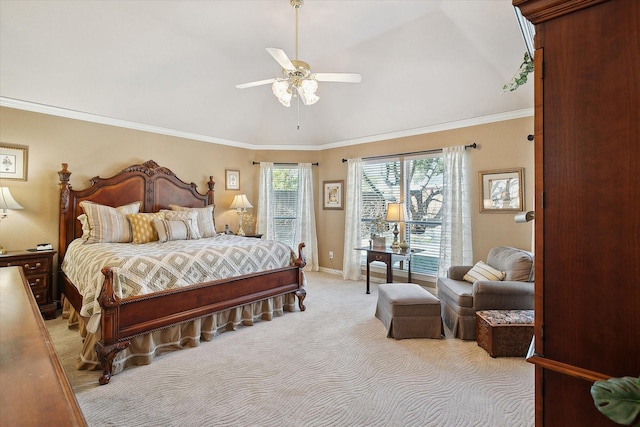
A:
{"points": [[145, 348]]}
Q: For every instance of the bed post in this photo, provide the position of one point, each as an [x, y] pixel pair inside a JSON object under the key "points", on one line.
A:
{"points": [[210, 185], [301, 293], [63, 175], [108, 346]]}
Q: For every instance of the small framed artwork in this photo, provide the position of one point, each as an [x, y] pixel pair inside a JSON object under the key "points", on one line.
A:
{"points": [[232, 179], [13, 161], [333, 194], [502, 190]]}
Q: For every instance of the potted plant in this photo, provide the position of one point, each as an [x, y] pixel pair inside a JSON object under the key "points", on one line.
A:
{"points": [[378, 227]]}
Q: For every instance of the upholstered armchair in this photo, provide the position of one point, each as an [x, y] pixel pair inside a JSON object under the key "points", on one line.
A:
{"points": [[461, 298]]}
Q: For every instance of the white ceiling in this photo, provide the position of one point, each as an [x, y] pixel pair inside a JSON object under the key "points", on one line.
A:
{"points": [[172, 66]]}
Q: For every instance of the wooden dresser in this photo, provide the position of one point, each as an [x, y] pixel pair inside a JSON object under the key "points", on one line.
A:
{"points": [[34, 390], [38, 269]]}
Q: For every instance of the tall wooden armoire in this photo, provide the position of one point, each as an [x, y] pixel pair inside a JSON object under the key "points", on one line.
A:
{"points": [[587, 202]]}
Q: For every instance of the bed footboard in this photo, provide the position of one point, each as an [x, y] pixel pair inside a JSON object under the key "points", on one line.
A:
{"points": [[123, 319]]}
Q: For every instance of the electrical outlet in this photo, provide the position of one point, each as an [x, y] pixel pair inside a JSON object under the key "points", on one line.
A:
{"points": [[330, 254]]}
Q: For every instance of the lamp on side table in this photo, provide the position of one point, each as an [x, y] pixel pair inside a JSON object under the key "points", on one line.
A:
{"points": [[240, 204], [6, 202], [396, 212]]}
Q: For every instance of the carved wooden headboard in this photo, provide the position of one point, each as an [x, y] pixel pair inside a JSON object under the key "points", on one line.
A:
{"points": [[156, 187]]}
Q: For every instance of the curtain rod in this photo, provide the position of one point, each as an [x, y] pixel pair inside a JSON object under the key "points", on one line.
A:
{"points": [[439, 150], [280, 163]]}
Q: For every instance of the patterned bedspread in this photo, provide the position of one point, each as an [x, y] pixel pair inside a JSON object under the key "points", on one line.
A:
{"points": [[151, 267]]}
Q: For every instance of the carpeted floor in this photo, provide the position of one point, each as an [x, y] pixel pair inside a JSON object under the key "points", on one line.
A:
{"points": [[331, 365]]}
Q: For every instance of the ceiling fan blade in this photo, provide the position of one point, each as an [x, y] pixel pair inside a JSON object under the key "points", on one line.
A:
{"points": [[282, 58], [339, 77], [258, 83]]}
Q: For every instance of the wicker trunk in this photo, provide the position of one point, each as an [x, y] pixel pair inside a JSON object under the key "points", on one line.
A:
{"points": [[504, 332]]}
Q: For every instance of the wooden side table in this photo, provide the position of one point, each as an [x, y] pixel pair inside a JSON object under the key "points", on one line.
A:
{"points": [[38, 270], [386, 255]]}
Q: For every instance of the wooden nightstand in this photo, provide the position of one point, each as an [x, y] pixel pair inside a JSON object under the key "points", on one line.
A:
{"points": [[38, 270]]}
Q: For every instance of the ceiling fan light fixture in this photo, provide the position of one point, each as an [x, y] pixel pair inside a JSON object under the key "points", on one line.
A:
{"points": [[309, 85], [307, 90], [281, 90], [308, 98], [297, 77]]}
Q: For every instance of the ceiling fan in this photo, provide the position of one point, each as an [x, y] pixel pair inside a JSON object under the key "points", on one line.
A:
{"points": [[298, 78]]}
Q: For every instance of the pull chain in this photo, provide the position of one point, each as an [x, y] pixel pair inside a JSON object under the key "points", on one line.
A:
{"points": [[298, 127]]}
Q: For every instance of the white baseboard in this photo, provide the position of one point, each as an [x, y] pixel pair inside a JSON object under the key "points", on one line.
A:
{"points": [[428, 281]]}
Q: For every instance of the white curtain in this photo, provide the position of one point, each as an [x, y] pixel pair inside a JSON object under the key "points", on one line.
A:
{"points": [[266, 210], [455, 242], [352, 239], [306, 224]]}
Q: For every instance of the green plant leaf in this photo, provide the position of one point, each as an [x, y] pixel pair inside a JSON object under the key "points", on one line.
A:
{"points": [[618, 399], [520, 77]]}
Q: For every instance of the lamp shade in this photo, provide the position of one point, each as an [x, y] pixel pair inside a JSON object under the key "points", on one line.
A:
{"points": [[281, 90], [307, 90], [240, 202], [396, 212], [7, 201]]}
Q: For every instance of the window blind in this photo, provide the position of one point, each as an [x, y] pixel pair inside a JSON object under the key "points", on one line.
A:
{"points": [[285, 197]]}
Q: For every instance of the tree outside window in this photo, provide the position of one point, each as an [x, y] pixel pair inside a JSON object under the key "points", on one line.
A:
{"points": [[418, 182]]}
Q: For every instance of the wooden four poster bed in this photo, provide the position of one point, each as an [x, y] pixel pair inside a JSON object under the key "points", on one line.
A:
{"points": [[129, 324]]}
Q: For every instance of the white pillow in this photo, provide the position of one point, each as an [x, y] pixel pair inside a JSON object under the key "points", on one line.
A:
{"points": [[190, 216], [482, 271], [206, 225], [107, 224], [85, 226], [175, 230]]}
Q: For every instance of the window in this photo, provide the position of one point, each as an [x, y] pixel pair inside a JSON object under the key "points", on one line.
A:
{"points": [[418, 183], [285, 198]]}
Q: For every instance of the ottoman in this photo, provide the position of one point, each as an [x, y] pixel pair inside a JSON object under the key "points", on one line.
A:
{"points": [[504, 332], [409, 311]]}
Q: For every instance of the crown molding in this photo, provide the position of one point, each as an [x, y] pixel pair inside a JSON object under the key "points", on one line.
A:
{"points": [[78, 115], [94, 118], [458, 124]]}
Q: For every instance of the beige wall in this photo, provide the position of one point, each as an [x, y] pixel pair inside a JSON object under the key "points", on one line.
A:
{"points": [[500, 145], [93, 149]]}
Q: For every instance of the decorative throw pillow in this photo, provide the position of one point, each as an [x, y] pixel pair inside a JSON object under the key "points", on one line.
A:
{"points": [[174, 230], [142, 226], [107, 224], [85, 226], [206, 224], [191, 217], [482, 271]]}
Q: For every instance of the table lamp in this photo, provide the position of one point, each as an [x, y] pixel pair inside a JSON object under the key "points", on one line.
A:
{"points": [[396, 212], [6, 202], [240, 204]]}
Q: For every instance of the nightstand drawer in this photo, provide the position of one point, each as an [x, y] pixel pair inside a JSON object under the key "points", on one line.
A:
{"points": [[30, 266], [40, 281], [37, 267], [40, 294]]}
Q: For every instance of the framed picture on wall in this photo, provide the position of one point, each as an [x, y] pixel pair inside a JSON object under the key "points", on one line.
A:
{"points": [[333, 194], [501, 190], [232, 179], [13, 161]]}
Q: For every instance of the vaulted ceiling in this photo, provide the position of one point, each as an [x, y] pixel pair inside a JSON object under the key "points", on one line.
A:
{"points": [[172, 66]]}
